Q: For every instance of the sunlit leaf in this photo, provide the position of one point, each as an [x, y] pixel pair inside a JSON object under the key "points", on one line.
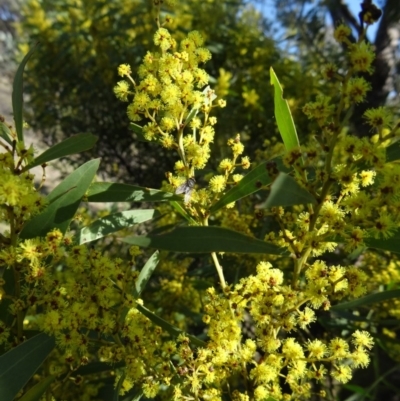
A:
{"points": [[113, 223], [146, 272], [64, 201], [72, 145], [17, 95], [283, 116]]}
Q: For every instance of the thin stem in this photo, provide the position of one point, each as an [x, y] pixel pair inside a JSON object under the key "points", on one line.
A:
{"points": [[181, 149], [219, 270], [299, 263]]}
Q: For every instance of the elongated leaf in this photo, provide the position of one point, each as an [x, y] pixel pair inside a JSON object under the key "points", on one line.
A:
{"points": [[250, 183], [205, 240], [62, 209], [5, 133], [168, 327], [36, 392], [181, 210], [146, 272], [17, 95], [74, 144], [118, 388], [283, 115], [111, 192], [369, 299], [19, 364], [138, 130], [285, 191], [391, 244], [114, 222]]}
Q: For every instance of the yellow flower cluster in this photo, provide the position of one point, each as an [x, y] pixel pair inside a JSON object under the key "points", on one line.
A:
{"points": [[18, 196], [169, 96], [275, 310]]}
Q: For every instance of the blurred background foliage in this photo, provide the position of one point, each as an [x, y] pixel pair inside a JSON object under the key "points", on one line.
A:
{"points": [[71, 77], [82, 42]]}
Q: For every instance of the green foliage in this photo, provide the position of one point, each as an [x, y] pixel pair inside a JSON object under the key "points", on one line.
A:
{"points": [[63, 202], [112, 223], [283, 116], [204, 240], [17, 96], [266, 311], [81, 45], [19, 364], [72, 145]]}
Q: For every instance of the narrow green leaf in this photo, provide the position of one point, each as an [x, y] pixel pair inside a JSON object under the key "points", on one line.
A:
{"points": [[17, 95], [114, 222], [181, 210], [36, 392], [168, 327], [111, 192], [146, 272], [250, 183], [283, 115], [138, 130], [119, 385], [391, 244], [367, 300], [74, 144], [285, 191], [61, 209], [205, 240], [19, 364], [5, 133]]}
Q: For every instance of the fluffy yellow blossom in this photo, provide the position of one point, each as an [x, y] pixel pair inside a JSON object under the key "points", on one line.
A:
{"points": [[124, 70], [121, 90], [162, 38], [217, 183]]}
